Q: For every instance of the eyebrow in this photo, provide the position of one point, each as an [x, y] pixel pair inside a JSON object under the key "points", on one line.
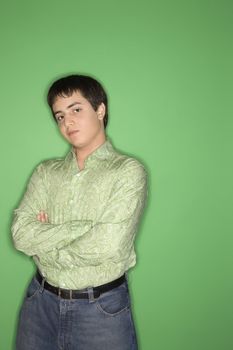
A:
{"points": [[68, 107]]}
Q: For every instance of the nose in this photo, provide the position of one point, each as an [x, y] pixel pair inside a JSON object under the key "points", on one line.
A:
{"points": [[68, 119]]}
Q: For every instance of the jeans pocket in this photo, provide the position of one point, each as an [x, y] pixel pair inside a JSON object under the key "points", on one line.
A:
{"points": [[114, 302], [32, 289]]}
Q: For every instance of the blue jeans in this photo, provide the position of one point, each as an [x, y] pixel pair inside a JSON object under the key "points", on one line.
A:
{"points": [[48, 322]]}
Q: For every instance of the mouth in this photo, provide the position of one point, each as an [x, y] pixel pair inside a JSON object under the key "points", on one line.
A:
{"points": [[72, 132]]}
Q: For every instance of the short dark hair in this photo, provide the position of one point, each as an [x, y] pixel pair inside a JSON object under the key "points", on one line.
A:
{"points": [[89, 87]]}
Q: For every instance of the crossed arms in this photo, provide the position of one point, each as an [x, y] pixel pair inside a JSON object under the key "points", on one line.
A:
{"points": [[81, 241]]}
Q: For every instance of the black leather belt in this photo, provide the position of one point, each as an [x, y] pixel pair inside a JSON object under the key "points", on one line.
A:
{"points": [[79, 294]]}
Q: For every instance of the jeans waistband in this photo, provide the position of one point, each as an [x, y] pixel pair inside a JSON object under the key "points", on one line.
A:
{"points": [[79, 294]]}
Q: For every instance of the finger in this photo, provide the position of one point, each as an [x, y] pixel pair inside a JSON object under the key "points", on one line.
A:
{"points": [[41, 216], [46, 217]]}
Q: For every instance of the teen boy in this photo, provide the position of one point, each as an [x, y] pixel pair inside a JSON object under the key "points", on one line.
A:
{"points": [[78, 220]]}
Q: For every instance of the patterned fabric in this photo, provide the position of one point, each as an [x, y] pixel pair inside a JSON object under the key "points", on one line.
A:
{"points": [[93, 217]]}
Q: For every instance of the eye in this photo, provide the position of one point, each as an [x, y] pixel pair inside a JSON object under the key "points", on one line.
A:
{"points": [[59, 118], [77, 110]]}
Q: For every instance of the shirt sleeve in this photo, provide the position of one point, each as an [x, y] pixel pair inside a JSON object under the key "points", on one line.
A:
{"points": [[112, 236], [34, 237]]}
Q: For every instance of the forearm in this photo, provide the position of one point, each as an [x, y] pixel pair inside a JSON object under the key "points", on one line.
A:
{"points": [[112, 247], [34, 237]]}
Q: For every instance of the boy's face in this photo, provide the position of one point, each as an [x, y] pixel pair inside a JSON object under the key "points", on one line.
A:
{"points": [[78, 122]]}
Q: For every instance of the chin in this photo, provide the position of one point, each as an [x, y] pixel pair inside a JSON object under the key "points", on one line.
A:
{"points": [[78, 144]]}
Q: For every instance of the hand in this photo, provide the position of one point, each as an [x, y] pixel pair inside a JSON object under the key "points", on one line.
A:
{"points": [[42, 216]]}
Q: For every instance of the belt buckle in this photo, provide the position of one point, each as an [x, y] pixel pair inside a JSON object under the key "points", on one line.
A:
{"points": [[69, 291]]}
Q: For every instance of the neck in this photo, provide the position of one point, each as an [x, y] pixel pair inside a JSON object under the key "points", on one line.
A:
{"points": [[83, 152]]}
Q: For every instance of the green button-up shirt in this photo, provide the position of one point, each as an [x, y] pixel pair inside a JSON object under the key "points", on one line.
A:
{"points": [[93, 217]]}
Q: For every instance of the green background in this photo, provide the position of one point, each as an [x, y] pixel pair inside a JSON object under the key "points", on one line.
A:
{"points": [[167, 67]]}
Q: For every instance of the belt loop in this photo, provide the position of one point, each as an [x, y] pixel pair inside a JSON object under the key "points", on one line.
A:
{"points": [[42, 285], [127, 280], [91, 295]]}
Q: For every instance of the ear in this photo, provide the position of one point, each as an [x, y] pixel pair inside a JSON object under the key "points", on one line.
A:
{"points": [[101, 111]]}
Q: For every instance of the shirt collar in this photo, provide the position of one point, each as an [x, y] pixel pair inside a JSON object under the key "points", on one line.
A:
{"points": [[103, 152]]}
